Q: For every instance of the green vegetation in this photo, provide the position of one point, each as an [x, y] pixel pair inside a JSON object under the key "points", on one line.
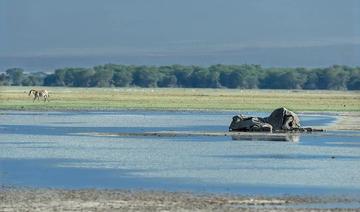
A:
{"points": [[217, 76], [16, 98]]}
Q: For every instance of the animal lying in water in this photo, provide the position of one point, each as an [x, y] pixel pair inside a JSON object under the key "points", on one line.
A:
{"points": [[280, 120]]}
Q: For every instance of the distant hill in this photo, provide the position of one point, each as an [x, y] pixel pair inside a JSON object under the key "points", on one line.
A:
{"points": [[315, 56]]}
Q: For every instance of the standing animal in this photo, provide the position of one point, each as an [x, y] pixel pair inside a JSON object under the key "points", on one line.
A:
{"points": [[39, 93]]}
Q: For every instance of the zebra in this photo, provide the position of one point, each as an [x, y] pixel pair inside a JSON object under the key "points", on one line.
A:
{"points": [[39, 93]]}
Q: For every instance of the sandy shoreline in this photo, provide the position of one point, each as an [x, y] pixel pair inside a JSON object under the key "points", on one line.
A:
{"points": [[346, 121], [120, 200]]}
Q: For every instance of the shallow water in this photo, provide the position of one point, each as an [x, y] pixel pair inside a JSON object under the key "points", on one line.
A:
{"points": [[44, 149]]}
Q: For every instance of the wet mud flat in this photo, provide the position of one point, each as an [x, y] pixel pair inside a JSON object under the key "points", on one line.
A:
{"points": [[12, 199]]}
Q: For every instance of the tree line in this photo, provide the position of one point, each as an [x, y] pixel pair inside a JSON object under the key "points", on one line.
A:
{"points": [[216, 76]]}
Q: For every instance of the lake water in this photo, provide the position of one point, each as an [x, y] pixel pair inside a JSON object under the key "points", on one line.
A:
{"points": [[50, 149]]}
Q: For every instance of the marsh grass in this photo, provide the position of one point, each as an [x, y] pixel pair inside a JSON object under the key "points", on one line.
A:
{"points": [[16, 98]]}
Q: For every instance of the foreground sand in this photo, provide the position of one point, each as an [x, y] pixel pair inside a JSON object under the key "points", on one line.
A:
{"points": [[119, 200]]}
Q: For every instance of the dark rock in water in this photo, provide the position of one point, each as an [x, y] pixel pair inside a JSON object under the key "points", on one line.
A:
{"points": [[280, 120]]}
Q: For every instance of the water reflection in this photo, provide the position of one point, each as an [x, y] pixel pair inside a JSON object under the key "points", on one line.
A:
{"points": [[288, 137]]}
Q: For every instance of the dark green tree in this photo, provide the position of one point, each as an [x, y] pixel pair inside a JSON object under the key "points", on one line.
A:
{"points": [[4, 80], [51, 80], [34, 79], [102, 77], [82, 77], [60, 75], [291, 80], [16, 75], [122, 78], [182, 74], [231, 76], [168, 80], [272, 80], [145, 77], [354, 80], [311, 81], [199, 78], [333, 78]]}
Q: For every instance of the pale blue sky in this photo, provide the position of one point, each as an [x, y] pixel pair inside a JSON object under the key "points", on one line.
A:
{"points": [[169, 27]]}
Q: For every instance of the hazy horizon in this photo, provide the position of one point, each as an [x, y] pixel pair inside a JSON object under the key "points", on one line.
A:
{"points": [[39, 34]]}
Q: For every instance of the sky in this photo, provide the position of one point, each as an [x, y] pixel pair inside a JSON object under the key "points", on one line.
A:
{"points": [[260, 31]]}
